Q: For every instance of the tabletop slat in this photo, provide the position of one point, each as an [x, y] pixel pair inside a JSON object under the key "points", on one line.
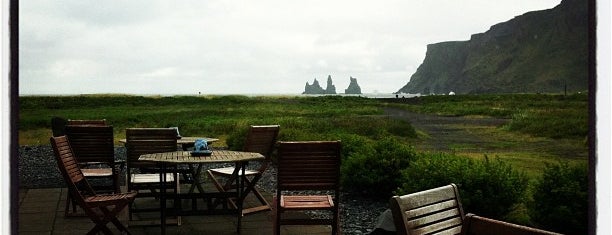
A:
{"points": [[216, 157]]}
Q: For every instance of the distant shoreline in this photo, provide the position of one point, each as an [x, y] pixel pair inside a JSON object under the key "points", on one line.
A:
{"points": [[366, 95]]}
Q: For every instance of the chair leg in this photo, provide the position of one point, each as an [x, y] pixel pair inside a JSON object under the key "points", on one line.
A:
{"points": [[117, 188], [112, 216], [107, 216], [67, 206], [336, 221], [215, 181], [195, 182], [219, 187], [130, 211], [275, 216], [131, 203], [251, 187], [70, 203]]}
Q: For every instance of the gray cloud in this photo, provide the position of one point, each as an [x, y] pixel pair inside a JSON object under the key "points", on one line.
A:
{"points": [[270, 46]]}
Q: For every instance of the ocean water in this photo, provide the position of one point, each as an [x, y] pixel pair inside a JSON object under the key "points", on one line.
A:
{"points": [[374, 95], [367, 95]]}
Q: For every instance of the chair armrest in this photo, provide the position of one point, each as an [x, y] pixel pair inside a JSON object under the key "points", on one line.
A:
{"points": [[477, 225]]}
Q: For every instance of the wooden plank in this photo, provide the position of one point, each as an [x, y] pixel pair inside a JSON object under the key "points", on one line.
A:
{"points": [[444, 225], [430, 218], [444, 205], [427, 197]]}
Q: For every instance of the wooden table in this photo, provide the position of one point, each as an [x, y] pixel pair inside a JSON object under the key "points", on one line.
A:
{"points": [[241, 159], [186, 142]]}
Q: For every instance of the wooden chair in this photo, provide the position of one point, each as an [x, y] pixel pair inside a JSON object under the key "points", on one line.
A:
{"points": [[93, 147], [434, 211], [100, 208], [477, 225], [58, 124], [305, 166], [145, 175], [94, 122], [260, 139]]}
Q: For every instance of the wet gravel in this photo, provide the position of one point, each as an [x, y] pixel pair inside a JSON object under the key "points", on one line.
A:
{"points": [[38, 169]]}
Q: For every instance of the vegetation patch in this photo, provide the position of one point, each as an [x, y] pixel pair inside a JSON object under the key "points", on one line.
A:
{"points": [[382, 154]]}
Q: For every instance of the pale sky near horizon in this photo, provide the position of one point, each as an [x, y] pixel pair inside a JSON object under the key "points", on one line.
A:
{"points": [[239, 47]]}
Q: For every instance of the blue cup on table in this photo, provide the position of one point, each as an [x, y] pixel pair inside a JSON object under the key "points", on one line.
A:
{"points": [[200, 145]]}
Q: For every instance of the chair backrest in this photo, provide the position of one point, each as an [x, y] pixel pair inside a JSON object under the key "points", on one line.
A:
{"points": [[261, 139], [432, 211], [93, 122], [477, 225], [92, 143], [69, 168], [148, 140], [308, 165]]}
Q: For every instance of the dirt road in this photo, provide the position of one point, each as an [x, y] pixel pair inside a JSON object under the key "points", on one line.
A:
{"points": [[482, 135], [446, 133]]}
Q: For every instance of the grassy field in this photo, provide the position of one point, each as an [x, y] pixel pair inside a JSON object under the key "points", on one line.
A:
{"points": [[379, 149], [540, 126], [539, 129], [300, 118]]}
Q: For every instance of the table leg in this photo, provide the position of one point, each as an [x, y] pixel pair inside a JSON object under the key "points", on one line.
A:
{"points": [[162, 198], [196, 172], [240, 183]]}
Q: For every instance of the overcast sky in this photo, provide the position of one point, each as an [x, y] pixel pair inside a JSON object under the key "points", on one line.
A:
{"points": [[239, 47]]}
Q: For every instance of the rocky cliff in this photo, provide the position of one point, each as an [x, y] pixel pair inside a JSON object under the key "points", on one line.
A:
{"points": [[540, 51], [315, 88]]}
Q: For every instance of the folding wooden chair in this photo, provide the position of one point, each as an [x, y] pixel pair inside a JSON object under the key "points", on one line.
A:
{"points": [[93, 147], [260, 139], [305, 166], [434, 211], [100, 208], [145, 175]]}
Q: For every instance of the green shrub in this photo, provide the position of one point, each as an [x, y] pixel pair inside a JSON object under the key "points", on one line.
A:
{"points": [[373, 168], [237, 138], [560, 198], [487, 187]]}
